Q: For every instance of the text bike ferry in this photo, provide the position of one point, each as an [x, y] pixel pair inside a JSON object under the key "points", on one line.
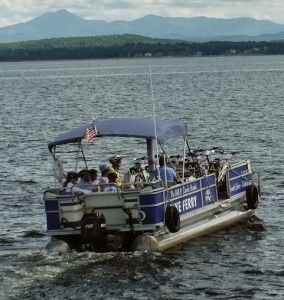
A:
{"points": [[147, 213]]}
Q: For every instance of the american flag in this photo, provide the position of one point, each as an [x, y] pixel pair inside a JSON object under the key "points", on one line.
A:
{"points": [[90, 134]]}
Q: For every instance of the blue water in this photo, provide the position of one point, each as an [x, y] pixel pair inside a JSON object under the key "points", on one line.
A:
{"points": [[234, 102]]}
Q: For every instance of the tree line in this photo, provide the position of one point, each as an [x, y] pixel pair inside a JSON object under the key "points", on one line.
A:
{"points": [[119, 46]]}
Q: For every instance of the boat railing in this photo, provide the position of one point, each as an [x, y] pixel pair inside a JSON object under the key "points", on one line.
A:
{"points": [[111, 187], [51, 193]]}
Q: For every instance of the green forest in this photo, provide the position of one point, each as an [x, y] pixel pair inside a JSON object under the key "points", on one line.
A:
{"points": [[119, 46]]}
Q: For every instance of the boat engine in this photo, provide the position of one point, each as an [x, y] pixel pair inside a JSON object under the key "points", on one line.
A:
{"points": [[93, 227]]}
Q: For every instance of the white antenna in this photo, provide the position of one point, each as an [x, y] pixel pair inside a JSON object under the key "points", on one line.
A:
{"points": [[154, 116]]}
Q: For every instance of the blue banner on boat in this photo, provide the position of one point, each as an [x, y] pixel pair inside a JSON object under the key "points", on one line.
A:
{"points": [[188, 203], [208, 180], [239, 170], [209, 195], [185, 189], [239, 185], [239, 177], [195, 194]]}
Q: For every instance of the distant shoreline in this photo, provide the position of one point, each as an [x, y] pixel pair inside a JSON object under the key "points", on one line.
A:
{"points": [[142, 58], [129, 46]]}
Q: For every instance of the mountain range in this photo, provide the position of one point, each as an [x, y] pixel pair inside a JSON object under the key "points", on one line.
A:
{"points": [[62, 23]]}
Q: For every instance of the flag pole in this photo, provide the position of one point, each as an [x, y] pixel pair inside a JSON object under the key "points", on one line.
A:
{"points": [[154, 117]]}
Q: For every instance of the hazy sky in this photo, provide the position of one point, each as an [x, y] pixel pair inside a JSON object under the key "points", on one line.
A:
{"points": [[15, 11]]}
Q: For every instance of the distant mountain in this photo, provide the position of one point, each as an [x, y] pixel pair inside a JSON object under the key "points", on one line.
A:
{"points": [[62, 23], [244, 38]]}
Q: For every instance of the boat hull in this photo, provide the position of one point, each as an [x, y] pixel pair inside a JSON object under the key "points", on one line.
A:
{"points": [[203, 222], [158, 242]]}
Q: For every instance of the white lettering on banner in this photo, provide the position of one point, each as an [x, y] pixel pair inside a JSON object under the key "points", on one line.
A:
{"points": [[176, 192], [178, 206], [237, 186], [246, 183], [189, 203], [187, 189], [208, 197], [183, 190], [186, 204]]}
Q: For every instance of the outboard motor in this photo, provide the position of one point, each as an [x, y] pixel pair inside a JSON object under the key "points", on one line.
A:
{"points": [[93, 227]]}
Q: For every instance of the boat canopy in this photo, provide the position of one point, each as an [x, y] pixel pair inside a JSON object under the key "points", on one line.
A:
{"points": [[138, 128]]}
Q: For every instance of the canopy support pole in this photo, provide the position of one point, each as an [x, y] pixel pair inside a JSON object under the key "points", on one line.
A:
{"points": [[151, 154]]}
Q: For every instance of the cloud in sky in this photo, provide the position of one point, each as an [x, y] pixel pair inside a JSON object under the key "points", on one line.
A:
{"points": [[15, 11]]}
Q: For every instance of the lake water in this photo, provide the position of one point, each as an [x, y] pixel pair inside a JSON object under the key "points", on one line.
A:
{"points": [[234, 102]]}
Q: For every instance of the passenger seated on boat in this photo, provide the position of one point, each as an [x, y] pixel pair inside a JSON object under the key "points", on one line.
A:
{"points": [[93, 176], [137, 173], [128, 180], [94, 179], [71, 180], [116, 164], [167, 174], [112, 186], [105, 169], [84, 184]]}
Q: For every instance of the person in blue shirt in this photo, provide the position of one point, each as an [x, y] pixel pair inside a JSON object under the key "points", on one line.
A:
{"points": [[167, 174]]}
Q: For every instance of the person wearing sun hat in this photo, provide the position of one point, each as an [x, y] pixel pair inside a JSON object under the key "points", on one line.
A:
{"points": [[116, 163]]}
